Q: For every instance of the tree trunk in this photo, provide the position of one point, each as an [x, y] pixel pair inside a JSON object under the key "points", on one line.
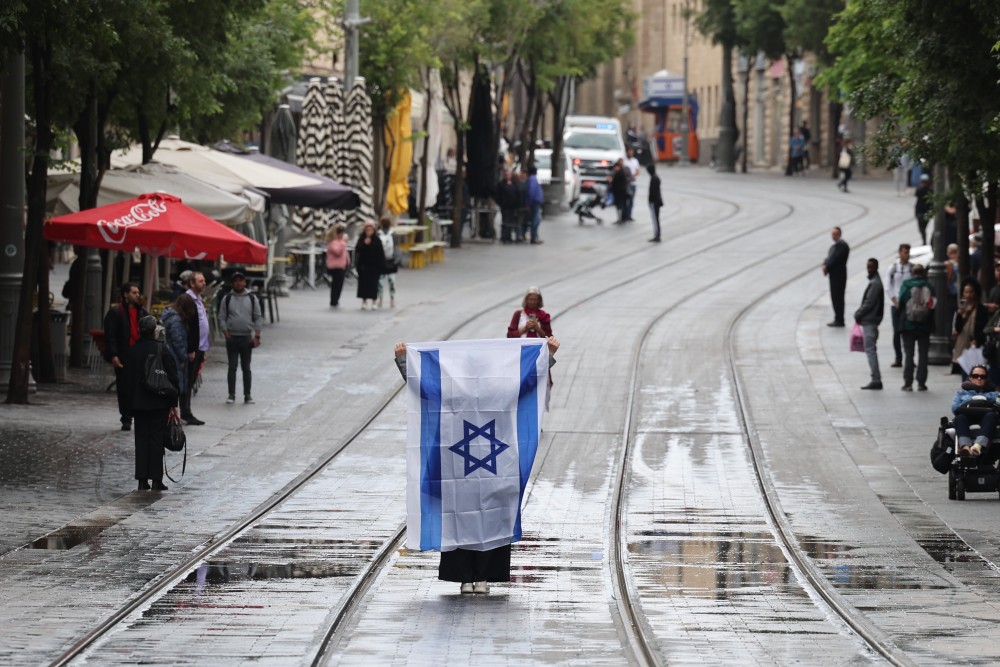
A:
{"points": [[746, 121], [85, 129], [40, 53], [792, 96], [962, 221], [457, 193], [422, 191], [726, 147], [987, 206], [835, 111]]}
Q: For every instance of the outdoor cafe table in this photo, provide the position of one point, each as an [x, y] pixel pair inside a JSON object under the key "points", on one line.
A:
{"points": [[408, 234], [309, 255]]}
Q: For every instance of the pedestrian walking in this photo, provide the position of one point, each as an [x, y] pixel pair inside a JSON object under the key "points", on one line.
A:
{"points": [[655, 201], [506, 199], [797, 148], [632, 168], [806, 138], [835, 268], [900, 175], [923, 207], [369, 259], [846, 164], [151, 410], [900, 272], [535, 199], [337, 261], [202, 344], [916, 304], [241, 319], [474, 570], [387, 281], [121, 332], [619, 189], [869, 316], [178, 318]]}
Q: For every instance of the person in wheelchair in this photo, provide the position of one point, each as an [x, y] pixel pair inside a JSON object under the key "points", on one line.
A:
{"points": [[975, 403]]}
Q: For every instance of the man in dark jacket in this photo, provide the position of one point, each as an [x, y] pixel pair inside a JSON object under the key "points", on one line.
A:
{"points": [[923, 208], [121, 331], [835, 267], [150, 410], [655, 201], [507, 199], [917, 326], [869, 316]]}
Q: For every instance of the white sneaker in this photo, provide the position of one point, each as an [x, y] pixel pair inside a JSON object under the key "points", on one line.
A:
{"points": [[481, 587], [231, 399], [466, 588], [378, 304]]}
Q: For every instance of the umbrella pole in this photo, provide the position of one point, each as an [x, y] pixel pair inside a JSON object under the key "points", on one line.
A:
{"points": [[147, 279]]}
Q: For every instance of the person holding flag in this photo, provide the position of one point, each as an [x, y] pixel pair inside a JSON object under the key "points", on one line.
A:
{"points": [[474, 416]]}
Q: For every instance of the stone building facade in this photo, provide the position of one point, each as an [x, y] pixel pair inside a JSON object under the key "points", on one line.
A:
{"points": [[761, 86]]}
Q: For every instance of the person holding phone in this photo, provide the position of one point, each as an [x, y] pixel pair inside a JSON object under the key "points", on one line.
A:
{"points": [[530, 321]]}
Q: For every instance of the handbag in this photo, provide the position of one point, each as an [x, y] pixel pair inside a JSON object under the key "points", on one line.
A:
{"points": [[175, 441], [857, 338], [390, 265], [845, 160], [155, 378]]}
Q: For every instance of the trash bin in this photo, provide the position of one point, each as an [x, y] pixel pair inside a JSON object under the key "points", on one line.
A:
{"points": [[60, 345]]}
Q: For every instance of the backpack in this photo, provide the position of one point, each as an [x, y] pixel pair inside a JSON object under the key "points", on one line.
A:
{"points": [[253, 302], [918, 308]]}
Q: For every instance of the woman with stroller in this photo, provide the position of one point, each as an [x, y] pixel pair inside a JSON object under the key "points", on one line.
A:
{"points": [[974, 403]]}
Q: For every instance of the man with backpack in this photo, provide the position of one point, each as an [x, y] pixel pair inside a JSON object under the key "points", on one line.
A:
{"points": [[916, 303], [240, 318]]}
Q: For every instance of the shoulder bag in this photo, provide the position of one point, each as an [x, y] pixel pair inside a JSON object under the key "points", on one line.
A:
{"points": [[175, 441], [155, 378]]}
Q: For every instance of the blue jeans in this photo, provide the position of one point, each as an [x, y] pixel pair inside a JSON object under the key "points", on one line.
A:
{"points": [[627, 215], [536, 219], [986, 424]]}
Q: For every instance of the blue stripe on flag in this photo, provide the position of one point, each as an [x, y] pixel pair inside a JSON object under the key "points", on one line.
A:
{"points": [[430, 450], [527, 422]]}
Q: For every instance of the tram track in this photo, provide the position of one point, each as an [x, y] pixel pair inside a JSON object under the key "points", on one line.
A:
{"points": [[364, 579]]}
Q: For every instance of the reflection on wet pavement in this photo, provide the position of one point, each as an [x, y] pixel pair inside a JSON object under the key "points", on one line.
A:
{"points": [[68, 537], [715, 585]]}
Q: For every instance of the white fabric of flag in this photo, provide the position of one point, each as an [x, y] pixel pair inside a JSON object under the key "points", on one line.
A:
{"points": [[474, 415]]}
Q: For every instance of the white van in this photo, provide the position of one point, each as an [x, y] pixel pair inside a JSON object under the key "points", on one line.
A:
{"points": [[594, 144]]}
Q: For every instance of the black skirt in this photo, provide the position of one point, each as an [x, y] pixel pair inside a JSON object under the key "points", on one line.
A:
{"points": [[466, 566]]}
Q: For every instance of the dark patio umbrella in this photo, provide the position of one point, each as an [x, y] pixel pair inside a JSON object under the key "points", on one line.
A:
{"points": [[312, 149], [481, 157], [282, 146]]}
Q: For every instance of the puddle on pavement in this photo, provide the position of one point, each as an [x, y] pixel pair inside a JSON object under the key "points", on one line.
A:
{"points": [[71, 536], [710, 564], [230, 573], [947, 548]]}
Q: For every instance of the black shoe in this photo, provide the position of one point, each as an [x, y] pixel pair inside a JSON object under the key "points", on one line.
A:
{"points": [[191, 420], [834, 324], [656, 240], [922, 387], [143, 485], [126, 423], [896, 364], [159, 486], [873, 385], [907, 387]]}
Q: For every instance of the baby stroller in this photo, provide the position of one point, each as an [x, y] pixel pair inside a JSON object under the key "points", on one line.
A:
{"points": [[966, 474], [584, 205]]}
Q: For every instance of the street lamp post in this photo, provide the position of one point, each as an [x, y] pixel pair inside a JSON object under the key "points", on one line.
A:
{"points": [[685, 130], [939, 352], [12, 188]]}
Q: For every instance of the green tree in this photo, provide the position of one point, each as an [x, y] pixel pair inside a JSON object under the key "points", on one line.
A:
{"points": [[720, 22], [929, 72]]}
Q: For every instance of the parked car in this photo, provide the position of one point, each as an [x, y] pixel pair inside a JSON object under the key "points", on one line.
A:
{"points": [[543, 162]]}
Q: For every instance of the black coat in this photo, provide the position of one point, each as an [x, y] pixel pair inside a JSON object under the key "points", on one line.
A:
{"points": [[506, 195], [116, 331], [836, 259], [619, 186], [141, 398], [370, 262]]}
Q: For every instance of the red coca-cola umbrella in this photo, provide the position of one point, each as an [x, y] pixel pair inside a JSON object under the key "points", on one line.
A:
{"points": [[155, 224]]}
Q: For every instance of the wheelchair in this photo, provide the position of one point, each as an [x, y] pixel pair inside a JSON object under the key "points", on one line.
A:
{"points": [[966, 474]]}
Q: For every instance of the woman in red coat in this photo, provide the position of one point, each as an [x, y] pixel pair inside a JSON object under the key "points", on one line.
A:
{"points": [[530, 321]]}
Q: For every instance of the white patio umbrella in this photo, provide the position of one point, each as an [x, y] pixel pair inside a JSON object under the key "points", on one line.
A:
{"points": [[312, 152], [338, 157], [359, 140]]}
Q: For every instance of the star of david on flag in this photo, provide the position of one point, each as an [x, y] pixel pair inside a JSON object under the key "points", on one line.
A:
{"points": [[474, 415]]}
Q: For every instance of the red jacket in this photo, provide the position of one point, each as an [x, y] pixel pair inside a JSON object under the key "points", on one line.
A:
{"points": [[543, 319]]}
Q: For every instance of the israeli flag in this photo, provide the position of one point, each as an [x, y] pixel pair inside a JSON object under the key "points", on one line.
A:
{"points": [[474, 414]]}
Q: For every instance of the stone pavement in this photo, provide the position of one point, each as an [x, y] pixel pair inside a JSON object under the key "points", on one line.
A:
{"points": [[320, 372]]}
